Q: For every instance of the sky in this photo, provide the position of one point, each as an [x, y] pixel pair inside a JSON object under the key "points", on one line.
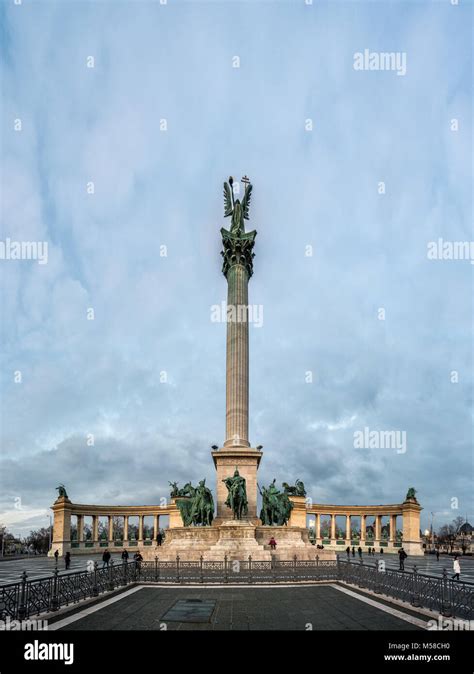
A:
{"points": [[354, 172]]}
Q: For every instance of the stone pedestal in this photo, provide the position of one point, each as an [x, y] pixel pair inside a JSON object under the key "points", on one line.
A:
{"points": [[298, 512], [247, 461], [62, 526], [411, 527], [291, 541], [237, 540]]}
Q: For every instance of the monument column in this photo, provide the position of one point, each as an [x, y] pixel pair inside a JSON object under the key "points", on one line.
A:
{"points": [[237, 267]]}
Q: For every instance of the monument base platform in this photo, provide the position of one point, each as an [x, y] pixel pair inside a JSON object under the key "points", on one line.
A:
{"points": [[238, 540]]}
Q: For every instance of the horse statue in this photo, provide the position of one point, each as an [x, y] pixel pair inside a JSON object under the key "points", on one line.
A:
{"points": [[237, 496], [276, 506]]}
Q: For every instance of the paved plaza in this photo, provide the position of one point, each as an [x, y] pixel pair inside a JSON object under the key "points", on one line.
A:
{"points": [[323, 607], [36, 567]]}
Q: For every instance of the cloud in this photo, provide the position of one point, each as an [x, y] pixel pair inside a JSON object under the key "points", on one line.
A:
{"points": [[142, 251]]}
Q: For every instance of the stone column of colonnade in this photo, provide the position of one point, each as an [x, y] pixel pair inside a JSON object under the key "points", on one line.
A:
{"points": [[237, 359]]}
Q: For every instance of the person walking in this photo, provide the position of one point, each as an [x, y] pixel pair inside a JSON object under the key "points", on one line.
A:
{"points": [[125, 556], [437, 554], [159, 539], [105, 559], [456, 568], [402, 555], [353, 551], [348, 551], [272, 543], [67, 560], [359, 550], [56, 556], [138, 560]]}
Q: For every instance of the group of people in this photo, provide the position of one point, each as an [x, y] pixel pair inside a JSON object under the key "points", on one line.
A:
{"points": [[370, 551], [137, 557]]}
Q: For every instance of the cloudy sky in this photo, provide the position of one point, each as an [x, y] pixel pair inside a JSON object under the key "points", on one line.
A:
{"points": [[341, 268]]}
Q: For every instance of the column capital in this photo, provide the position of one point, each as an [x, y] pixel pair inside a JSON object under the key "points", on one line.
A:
{"points": [[238, 250]]}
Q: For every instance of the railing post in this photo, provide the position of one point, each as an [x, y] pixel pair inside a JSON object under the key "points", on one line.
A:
{"points": [[272, 569], [445, 603], [22, 605], [55, 598], [156, 568], [177, 568], [201, 570], [415, 600], [361, 570], [110, 584], [125, 572], [376, 579], [95, 588], [295, 558], [250, 568], [225, 568], [338, 567]]}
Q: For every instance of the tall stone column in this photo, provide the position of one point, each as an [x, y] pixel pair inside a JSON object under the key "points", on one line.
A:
{"points": [[237, 358], [237, 267]]}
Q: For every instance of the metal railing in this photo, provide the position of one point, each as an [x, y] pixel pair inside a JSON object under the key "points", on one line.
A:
{"points": [[28, 598]]}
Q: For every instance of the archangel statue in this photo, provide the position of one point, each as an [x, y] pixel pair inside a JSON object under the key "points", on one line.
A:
{"points": [[233, 207], [238, 244]]}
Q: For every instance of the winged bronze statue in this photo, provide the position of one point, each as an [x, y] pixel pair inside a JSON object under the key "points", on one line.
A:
{"points": [[233, 207]]}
